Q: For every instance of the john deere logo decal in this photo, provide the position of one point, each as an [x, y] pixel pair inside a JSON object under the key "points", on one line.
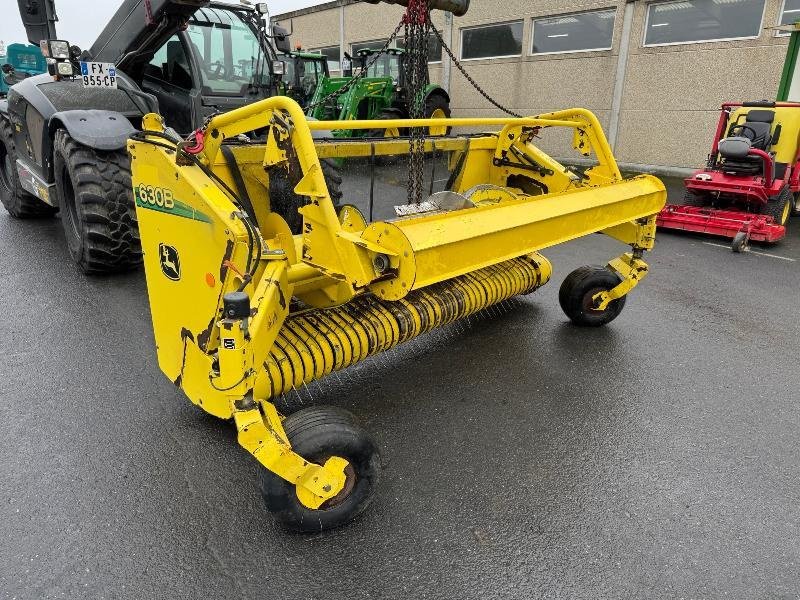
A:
{"points": [[170, 262], [162, 200]]}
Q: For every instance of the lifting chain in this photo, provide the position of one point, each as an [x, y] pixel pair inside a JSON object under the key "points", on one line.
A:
{"points": [[417, 23]]}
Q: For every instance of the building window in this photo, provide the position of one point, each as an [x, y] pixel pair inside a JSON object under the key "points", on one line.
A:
{"points": [[434, 48], [332, 55], [581, 32], [790, 13], [692, 21], [492, 41]]}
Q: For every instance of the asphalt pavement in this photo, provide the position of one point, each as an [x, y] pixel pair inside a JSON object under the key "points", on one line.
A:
{"points": [[523, 457]]}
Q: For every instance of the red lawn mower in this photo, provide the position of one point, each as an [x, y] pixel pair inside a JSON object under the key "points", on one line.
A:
{"points": [[748, 187]]}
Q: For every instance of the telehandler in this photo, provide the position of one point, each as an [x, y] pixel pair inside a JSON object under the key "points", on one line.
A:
{"points": [[63, 133], [244, 312]]}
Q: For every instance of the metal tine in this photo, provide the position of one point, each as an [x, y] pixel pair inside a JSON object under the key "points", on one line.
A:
{"points": [[310, 395], [298, 396]]}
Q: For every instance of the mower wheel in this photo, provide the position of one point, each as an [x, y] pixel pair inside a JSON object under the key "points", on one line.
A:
{"points": [[19, 203], [740, 242], [577, 292], [318, 433], [692, 199], [779, 207], [98, 213], [286, 203]]}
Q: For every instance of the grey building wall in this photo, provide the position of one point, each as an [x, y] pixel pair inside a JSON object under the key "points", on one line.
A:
{"points": [[667, 102]]}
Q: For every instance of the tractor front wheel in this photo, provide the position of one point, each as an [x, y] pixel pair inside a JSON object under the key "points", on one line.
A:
{"points": [[98, 213], [577, 292], [317, 434], [437, 107], [19, 203], [779, 207]]}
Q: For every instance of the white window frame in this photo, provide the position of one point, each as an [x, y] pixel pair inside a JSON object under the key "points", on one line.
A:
{"points": [[731, 39], [780, 18], [583, 12], [321, 48], [473, 27]]}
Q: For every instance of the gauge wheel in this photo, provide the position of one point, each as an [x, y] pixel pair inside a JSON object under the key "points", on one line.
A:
{"points": [[578, 290], [740, 242], [317, 434]]}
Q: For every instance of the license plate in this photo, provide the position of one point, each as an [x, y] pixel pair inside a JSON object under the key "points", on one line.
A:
{"points": [[97, 74]]}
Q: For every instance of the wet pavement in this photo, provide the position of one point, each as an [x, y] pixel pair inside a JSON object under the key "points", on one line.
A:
{"points": [[523, 457]]}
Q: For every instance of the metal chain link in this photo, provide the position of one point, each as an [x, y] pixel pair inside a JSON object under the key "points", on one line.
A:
{"points": [[358, 77], [418, 25]]}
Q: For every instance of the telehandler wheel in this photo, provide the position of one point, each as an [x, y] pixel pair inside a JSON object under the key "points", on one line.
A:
{"points": [[316, 434], [98, 213], [577, 291], [779, 207], [286, 203], [17, 201], [437, 107]]}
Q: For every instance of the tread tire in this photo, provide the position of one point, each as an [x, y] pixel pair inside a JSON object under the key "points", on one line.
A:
{"points": [[19, 203], [286, 203], [437, 101], [692, 199], [316, 433], [98, 213], [582, 283], [776, 206]]}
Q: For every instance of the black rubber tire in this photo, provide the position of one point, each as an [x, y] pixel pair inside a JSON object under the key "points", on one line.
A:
{"points": [[98, 213], [577, 290], [435, 102], [286, 203], [316, 433], [739, 243], [692, 199], [776, 206], [19, 203]]}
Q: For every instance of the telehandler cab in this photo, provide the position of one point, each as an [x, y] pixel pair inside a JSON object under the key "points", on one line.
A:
{"points": [[244, 312], [63, 134]]}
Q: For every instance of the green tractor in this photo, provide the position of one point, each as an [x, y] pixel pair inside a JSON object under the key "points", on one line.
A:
{"points": [[302, 73], [380, 94]]}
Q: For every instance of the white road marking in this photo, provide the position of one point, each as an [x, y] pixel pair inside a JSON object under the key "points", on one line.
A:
{"points": [[767, 254]]}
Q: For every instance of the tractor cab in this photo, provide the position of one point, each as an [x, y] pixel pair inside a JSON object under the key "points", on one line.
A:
{"points": [[388, 64], [302, 73]]}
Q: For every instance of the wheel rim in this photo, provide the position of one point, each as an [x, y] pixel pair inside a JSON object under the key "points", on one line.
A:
{"points": [[440, 130], [344, 493], [588, 302], [787, 209], [391, 132]]}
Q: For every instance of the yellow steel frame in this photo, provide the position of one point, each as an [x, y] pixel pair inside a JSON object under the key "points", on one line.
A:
{"points": [[218, 361]]}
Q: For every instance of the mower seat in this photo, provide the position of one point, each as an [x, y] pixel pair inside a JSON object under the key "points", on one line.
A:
{"points": [[756, 133]]}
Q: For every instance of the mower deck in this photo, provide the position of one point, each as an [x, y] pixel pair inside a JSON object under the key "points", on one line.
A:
{"points": [[721, 223]]}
